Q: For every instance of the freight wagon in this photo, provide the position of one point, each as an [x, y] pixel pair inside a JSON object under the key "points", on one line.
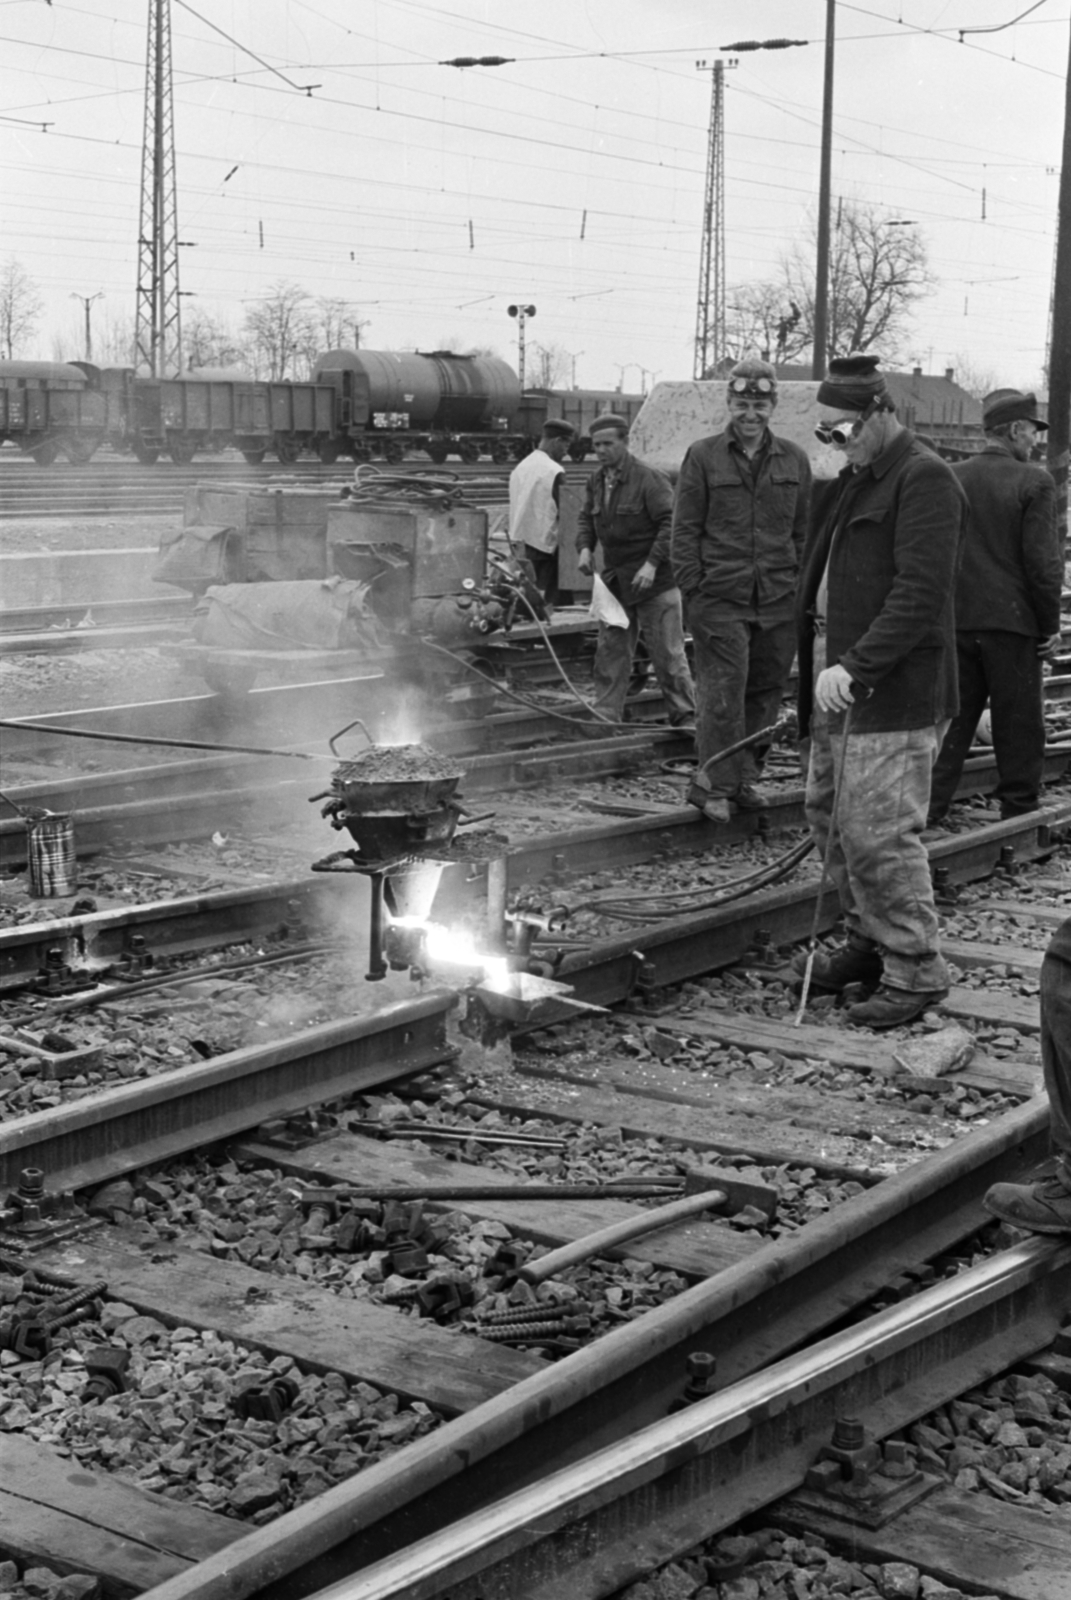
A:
{"points": [[49, 406], [359, 403]]}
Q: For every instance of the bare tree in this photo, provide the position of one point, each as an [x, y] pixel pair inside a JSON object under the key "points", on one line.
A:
{"points": [[339, 324], [281, 330], [878, 271], [763, 320], [548, 365], [20, 307], [978, 380], [209, 342]]}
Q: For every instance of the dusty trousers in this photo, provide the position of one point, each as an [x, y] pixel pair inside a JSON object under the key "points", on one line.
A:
{"points": [[1056, 1043], [741, 671], [659, 620], [1005, 669], [878, 860]]}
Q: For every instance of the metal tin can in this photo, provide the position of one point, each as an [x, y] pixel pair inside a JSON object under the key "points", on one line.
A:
{"points": [[50, 855]]}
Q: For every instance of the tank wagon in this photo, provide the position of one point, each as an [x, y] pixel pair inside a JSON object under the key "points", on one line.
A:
{"points": [[361, 403], [439, 402]]}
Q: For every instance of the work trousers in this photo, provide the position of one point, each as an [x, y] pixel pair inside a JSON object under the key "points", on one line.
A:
{"points": [[1056, 1043], [741, 673], [544, 564], [878, 861], [1005, 669], [659, 620]]}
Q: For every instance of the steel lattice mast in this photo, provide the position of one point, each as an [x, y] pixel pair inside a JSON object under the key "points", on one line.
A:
{"points": [[157, 324], [710, 308]]}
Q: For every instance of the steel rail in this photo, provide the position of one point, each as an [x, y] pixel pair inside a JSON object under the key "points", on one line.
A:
{"points": [[604, 971], [748, 1316], [614, 966], [596, 1526], [155, 1119], [652, 957], [192, 798], [107, 614]]}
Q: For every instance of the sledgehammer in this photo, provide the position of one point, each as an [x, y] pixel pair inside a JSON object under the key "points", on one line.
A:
{"points": [[705, 1189]]}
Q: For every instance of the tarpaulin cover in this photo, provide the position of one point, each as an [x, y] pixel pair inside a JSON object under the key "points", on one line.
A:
{"points": [[316, 613]]}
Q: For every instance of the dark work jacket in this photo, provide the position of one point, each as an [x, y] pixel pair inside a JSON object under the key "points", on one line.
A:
{"points": [[892, 536], [738, 537], [1013, 567], [632, 529]]}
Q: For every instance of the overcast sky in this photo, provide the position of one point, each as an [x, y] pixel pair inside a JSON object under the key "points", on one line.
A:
{"points": [[572, 178]]}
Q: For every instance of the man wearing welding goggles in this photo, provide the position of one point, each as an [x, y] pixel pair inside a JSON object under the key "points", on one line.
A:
{"points": [[877, 689], [739, 522]]}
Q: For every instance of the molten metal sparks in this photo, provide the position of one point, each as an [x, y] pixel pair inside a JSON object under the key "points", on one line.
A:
{"points": [[455, 949]]}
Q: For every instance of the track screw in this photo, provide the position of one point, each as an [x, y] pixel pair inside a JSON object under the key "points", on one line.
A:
{"points": [[848, 1434]]}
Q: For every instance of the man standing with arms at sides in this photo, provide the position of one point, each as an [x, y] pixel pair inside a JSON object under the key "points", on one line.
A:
{"points": [[1007, 606], [877, 683], [535, 502], [738, 529], [627, 509]]}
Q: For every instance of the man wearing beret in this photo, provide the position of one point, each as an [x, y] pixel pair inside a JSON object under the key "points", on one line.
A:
{"points": [[738, 528], [627, 510], [1007, 606], [535, 501], [877, 689]]}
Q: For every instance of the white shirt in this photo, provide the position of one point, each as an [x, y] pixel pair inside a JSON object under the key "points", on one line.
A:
{"points": [[533, 516]]}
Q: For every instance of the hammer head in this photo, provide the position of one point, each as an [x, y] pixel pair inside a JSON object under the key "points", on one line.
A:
{"points": [[739, 1192]]}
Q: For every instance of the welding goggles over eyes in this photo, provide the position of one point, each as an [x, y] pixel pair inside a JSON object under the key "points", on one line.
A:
{"points": [[752, 386], [839, 433]]}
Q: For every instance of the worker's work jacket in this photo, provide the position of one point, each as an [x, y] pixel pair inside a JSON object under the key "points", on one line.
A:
{"points": [[632, 525], [739, 527], [1013, 568], [889, 539]]}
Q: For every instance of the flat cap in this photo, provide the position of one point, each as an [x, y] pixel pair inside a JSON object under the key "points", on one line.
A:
{"points": [[853, 382], [558, 428], [610, 419], [1010, 405]]}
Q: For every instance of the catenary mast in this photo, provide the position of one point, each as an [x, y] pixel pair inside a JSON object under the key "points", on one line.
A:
{"points": [[157, 322]]}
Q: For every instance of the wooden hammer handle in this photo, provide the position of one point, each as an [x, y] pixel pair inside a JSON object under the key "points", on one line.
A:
{"points": [[596, 1244]]}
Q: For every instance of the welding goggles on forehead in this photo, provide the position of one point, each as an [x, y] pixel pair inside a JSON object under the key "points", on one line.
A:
{"points": [[756, 387]]}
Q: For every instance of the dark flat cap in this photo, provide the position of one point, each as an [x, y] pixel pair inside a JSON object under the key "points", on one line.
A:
{"points": [[1010, 405], [853, 382], [558, 428], [609, 420]]}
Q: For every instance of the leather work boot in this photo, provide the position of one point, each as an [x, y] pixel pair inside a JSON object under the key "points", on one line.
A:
{"points": [[891, 1008], [748, 798], [1038, 1207], [834, 970], [715, 807]]}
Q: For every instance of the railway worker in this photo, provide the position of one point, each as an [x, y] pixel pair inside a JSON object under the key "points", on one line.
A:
{"points": [[877, 656], [1007, 606], [628, 509], [535, 502], [739, 524], [1045, 1207]]}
